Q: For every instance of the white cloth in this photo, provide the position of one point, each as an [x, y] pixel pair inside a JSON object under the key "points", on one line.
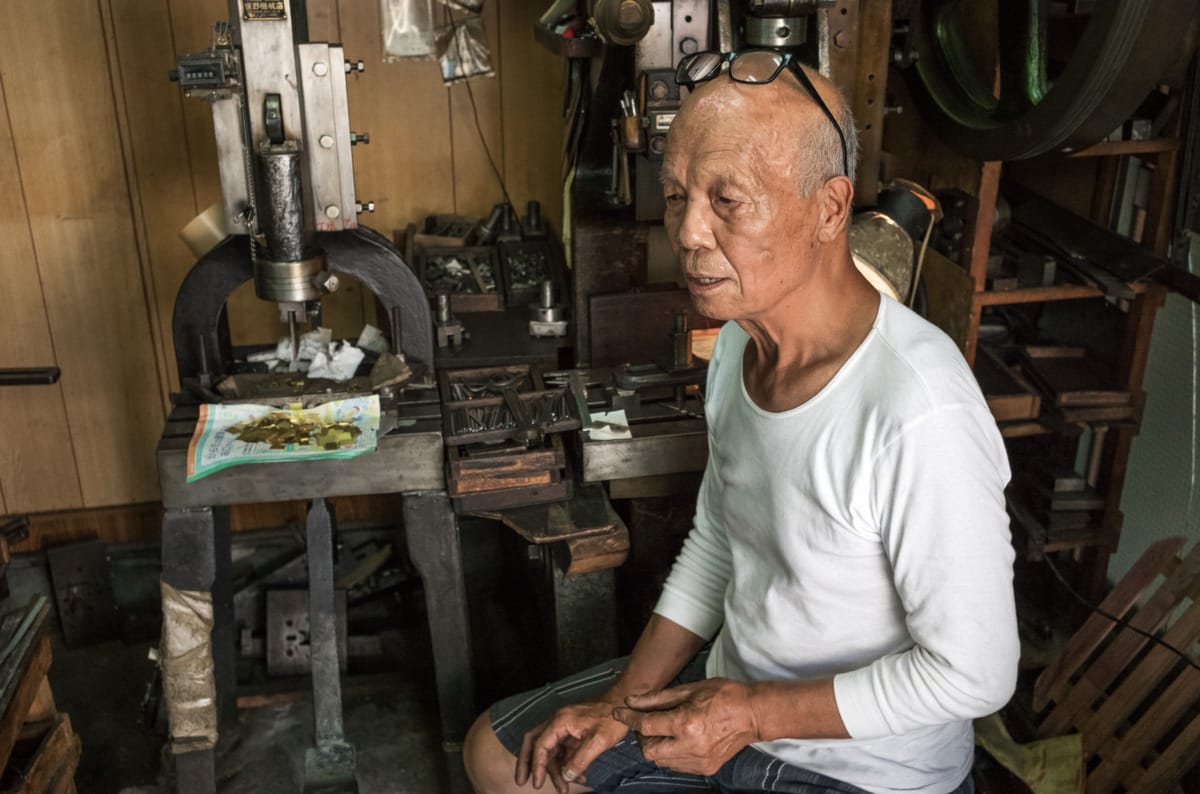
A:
{"points": [[861, 535]]}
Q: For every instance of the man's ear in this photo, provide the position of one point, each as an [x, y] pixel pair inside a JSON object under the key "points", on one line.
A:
{"points": [[836, 200]]}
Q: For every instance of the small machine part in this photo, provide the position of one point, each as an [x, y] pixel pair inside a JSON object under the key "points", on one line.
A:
{"points": [[510, 227], [450, 331], [83, 592], [677, 369], [548, 317], [622, 22], [534, 225], [287, 633], [776, 31]]}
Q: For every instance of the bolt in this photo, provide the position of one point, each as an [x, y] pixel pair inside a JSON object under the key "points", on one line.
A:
{"points": [[841, 40], [360, 137], [326, 141], [328, 282], [320, 68], [547, 294], [688, 45], [355, 66], [333, 212], [364, 206], [783, 31]]}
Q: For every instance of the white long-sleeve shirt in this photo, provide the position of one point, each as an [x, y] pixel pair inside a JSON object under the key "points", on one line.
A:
{"points": [[861, 535]]}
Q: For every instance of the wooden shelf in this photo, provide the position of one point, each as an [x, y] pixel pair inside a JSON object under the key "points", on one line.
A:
{"points": [[1056, 292], [1116, 148]]}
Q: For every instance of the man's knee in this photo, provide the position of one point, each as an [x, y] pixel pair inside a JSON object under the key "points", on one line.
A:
{"points": [[489, 765]]}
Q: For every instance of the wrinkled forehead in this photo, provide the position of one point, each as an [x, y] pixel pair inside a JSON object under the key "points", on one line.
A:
{"points": [[746, 127]]}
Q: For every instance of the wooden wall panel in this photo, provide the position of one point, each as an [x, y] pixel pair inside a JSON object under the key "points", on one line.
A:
{"points": [[157, 157], [191, 31], [476, 188], [407, 168], [37, 462], [531, 86], [65, 133]]}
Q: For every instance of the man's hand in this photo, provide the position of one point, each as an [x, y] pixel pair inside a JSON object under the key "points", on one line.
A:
{"points": [[694, 727], [565, 745]]}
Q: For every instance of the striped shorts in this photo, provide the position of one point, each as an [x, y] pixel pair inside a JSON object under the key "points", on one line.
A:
{"points": [[622, 768]]}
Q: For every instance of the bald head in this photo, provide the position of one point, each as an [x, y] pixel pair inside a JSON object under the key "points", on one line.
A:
{"points": [[779, 118]]}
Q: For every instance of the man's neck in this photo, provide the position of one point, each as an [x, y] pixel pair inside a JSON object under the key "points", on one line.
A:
{"points": [[797, 348]]}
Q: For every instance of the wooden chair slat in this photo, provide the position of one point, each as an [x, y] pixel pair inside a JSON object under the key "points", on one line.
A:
{"points": [[1056, 678]]}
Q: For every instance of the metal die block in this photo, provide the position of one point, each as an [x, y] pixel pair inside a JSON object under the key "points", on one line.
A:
{"points": [[83, 592], [288, 648], [327, 137]]}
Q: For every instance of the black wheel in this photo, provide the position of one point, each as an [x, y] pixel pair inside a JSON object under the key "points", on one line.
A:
{"points": [[1124, 48]]}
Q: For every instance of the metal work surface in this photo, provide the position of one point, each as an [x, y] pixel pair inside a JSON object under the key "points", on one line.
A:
{"points": [[656, 448], [402, 462]]}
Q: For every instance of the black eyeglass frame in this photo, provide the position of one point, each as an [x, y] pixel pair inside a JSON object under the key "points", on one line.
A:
{"points": [[787, 62]]}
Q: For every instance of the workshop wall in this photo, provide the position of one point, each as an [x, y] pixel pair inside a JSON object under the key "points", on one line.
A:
{"points": [[103, 161]]}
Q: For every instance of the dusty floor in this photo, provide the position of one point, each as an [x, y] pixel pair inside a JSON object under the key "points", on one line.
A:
{"points": [[390, 717]]}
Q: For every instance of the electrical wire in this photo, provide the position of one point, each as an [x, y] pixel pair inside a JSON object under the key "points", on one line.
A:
{"points": [[487, 150], [1121, 622]]}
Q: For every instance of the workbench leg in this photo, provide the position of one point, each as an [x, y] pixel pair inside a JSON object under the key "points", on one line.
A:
{"points": [[195, 558], [436, 551], [224, 634], [585, 615], [329, 766]]}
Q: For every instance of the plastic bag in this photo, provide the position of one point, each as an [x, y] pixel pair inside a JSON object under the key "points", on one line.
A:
{"points": [[409, 27], [462, 48]]}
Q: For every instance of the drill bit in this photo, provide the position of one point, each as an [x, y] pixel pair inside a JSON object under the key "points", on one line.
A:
{"points": [[292, 333]]}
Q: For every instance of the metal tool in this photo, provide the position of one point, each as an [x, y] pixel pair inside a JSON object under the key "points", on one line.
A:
{"points": [[548, 317], [283, 145]]}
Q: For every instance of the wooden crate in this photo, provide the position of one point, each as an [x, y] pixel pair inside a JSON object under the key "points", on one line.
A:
{"points": [[39, 751]]}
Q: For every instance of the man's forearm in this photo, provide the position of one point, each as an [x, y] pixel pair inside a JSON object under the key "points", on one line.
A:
{"points": [[661, 653], [796, 710]]}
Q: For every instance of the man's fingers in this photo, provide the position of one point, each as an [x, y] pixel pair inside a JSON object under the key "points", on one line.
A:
{"points": [[521, 772], [575, 763], [647, 723], [557, 778], [659, 699]]}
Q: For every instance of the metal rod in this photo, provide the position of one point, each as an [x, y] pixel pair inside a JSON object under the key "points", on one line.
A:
{"points": [[322, 622]]}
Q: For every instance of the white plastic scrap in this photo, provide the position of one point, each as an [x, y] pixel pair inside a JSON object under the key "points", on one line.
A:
{"points": [[341, 366], [311, 343], [373, 339]]}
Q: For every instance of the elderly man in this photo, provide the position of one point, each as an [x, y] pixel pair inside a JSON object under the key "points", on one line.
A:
{"points": [[850, 555]]}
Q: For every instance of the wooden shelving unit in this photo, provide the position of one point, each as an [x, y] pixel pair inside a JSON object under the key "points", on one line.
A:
{"points": [[958, 298]]}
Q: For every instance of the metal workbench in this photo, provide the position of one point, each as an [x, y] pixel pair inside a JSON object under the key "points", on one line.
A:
{"points": [[196, 557]]}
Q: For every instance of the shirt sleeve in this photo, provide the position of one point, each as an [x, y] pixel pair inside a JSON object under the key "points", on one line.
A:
{"points": [[694, 593], [938, 495]]}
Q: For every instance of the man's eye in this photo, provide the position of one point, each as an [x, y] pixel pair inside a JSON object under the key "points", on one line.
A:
{"points": [[674, 198], [726, 201]]}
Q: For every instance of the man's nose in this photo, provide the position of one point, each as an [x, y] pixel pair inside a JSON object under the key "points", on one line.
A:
{"points": [[695, 229]]}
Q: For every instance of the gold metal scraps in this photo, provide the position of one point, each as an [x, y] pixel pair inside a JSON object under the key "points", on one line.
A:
{"points": [[282, 430]]}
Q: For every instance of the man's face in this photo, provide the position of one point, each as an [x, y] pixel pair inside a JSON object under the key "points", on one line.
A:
{"points": [[734, 215]]}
